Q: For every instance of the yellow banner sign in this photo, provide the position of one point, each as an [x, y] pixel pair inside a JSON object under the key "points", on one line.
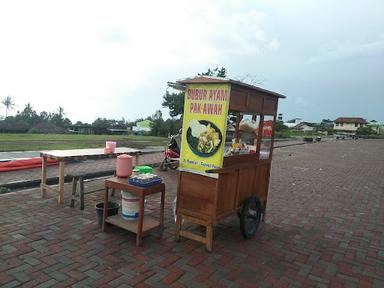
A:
{"points": [[204, 127]]}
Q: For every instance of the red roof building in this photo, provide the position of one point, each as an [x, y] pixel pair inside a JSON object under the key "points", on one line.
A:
{"points": [[349, 124], [353, 120]]}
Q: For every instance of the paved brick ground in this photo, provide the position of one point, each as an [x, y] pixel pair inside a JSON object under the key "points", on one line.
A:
{"points": [[324, 228]]}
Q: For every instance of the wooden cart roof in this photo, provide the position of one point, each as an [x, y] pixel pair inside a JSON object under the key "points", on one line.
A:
{"points": [[180, 84]]}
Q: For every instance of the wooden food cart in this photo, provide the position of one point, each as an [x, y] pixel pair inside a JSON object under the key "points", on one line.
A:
{"points": [[238, 181]]}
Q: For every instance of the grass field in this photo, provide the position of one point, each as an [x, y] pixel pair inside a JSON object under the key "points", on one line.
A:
{"points": [[34, 142]]}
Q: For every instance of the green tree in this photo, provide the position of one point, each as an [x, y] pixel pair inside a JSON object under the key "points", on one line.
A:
{"points": [[366, 130], [101, 125], [174, 102], [13, 125], [158, 114], [8, 103], [58, 119], [120, 124], [44, 116], [28, 115], [159, 127], [173, 125], [280, 127], [216, 72]]}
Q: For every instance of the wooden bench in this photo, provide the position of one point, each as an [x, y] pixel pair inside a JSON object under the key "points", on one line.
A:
{"points": [[78, 178]]}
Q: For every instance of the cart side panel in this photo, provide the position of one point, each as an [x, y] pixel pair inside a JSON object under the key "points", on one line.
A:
{"points": [[262, 181], [238, 100], [246, 100], [196, 195], [226, 196], [254, 182], [255, 102], [270, 105], [241, 160], [246, 184]]}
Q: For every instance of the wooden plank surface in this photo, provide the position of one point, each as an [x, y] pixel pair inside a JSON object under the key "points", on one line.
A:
{"points": [[149, 223], [197, 194], [49, 188], [226, 194], [122, 184], [190, 235], [270, 105], [87, 153]]}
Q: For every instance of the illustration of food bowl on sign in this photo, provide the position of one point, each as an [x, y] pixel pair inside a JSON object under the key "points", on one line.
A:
{"points": [[203, 137]]}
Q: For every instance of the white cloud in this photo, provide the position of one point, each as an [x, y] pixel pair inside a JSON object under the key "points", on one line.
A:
{"points": [[300, 101], [241, 33], [349, 50], [77, 54]]}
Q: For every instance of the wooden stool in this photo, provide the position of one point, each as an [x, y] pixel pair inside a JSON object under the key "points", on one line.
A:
{"points": [[80, 177], [74, 196]]}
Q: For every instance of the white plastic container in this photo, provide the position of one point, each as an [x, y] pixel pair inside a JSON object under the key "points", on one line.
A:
{"points": [[130, 206]]}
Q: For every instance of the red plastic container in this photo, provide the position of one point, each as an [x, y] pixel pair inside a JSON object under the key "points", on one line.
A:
{"points": [[111, 145], [124, 166]]}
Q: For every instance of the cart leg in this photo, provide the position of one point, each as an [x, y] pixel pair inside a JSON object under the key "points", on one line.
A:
{"points": [[178, 227], [209, 237], [162, 213]]}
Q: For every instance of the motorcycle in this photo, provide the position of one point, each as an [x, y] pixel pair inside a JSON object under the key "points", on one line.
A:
{"points": [[172, 153]]}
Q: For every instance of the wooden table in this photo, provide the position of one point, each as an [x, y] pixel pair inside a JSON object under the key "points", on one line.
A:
{"points": [[74, 154], [143, 225]]}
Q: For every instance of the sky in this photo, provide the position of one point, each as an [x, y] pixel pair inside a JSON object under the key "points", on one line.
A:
{"points": [[113, 59]]}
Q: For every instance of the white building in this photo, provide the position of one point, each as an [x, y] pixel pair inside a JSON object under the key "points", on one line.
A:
{"points": [[348, 124], [292, 123], [305, 127]]}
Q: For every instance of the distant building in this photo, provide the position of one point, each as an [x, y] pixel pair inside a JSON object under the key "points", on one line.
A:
{"points": [[292, 123], [349, 124], [81, 129], [305, 126], [143, 126], [119, 131]]}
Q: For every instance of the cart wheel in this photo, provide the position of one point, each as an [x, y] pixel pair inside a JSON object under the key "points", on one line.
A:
{"points": [[174, 165], [250, 217]]}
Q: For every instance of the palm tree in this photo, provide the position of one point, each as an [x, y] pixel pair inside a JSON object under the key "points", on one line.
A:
{"points": [[8, 103]]}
